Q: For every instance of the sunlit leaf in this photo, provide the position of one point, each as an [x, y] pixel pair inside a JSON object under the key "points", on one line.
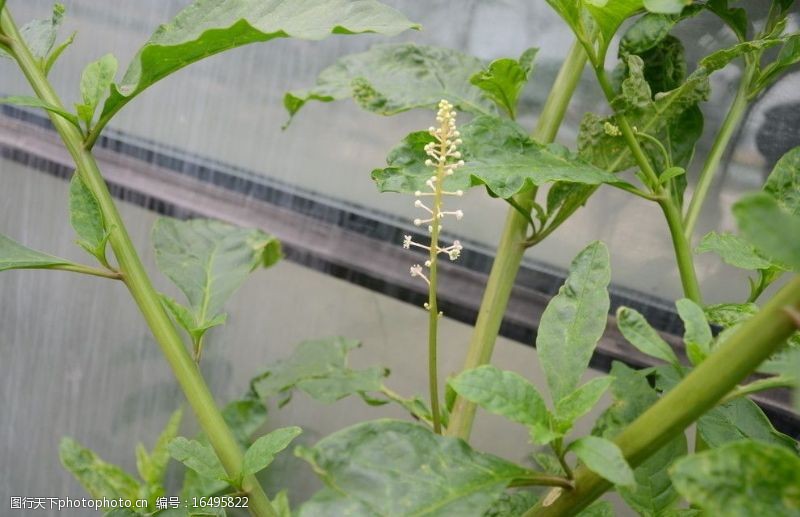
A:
{"points": [[741, 479], [399, 468], [574, 320]]}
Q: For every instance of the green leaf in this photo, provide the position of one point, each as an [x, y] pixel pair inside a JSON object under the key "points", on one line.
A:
{"points": [[281, 504], [697, 334], [152, 467], [644, 337], [504, 79], [604, 458], [40, 35], [507, 394], [666, 6], [579, 402], [97, 77], [608, 15], [740, 419], [783, 182], [391, 79], [263, 451], [87, 219], [208, 261], [735, 17], [729, 314], [512, 504], [100, 479], [788, 56], [574, 320], [399, 468], [497, 153], [598, 509], [649, 30], [197, 456], [741, 479], [766, 225], [327, 502], [733, 250], [35, 102], [319, 368], [721, 58], [207, 27], [56, 53], [14, 255]]}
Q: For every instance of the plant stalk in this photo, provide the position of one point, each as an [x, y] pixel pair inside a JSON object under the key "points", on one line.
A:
{"points": [[512, 244], [138, 283], [702, 389]]}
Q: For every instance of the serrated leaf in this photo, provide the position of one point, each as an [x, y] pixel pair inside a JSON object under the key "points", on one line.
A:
{"points": [[263, 451], [96, 78], [507, 394], [35, 102], [783, 182], [87, 219], [209, 260], [740, 480], [766, 225], [399, 468], [152, 467], [497, 153], [100, 479], [733, 250], [740, 419], [639, 333], [197, 456], [697, 334], [570, 408], [393, 78], [320, 369], [574, 320], [14, 255], [207, 27], [503, 80], [604, 458]]}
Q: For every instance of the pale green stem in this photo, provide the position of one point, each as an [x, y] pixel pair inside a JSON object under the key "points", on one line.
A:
{"points": [[512, 244], [88, 270], [135, 276], [701, 390], [759, 386]]}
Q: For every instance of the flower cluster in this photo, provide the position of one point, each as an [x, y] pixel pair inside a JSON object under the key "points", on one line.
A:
{"points": [[444, 159]]}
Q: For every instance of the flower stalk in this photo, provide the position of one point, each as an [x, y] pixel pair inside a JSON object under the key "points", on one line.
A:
{"points": [[444, 159]]}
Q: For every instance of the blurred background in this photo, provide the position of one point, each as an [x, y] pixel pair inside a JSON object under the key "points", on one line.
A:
{"points": [[77, 359]]}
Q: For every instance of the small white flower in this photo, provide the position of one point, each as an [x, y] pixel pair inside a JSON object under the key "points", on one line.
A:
{"points": [[406, 241]]}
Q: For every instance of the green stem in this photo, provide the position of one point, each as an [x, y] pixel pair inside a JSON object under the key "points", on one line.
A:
{"points": [[433, 309], [701, 390], [511, 247], [758, 386], [88, 270], [714, 157], [135, 277], [542, 480]]}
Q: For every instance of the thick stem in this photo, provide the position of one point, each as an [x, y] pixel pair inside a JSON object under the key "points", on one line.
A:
{"points": [[714, 157], [511, 247], [135, 276], [701, 390]]}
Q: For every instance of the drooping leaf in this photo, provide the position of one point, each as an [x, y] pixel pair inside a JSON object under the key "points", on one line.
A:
{"points": [[99, 478], [503, 80], [733, 250], [87, 219], [697, 334], [14, 255], [783, 182], [399, 468], [390, 79], [604, 458], [740, 480], [263, 451], [579, 402], [95, 81], [574, 320], [207, 27], [740, 419], [497, 153], [640, 334], [508, 394], [197, 456], [153, 466], [319, 368], [35, 102], [209, 260], [766, 225]]}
